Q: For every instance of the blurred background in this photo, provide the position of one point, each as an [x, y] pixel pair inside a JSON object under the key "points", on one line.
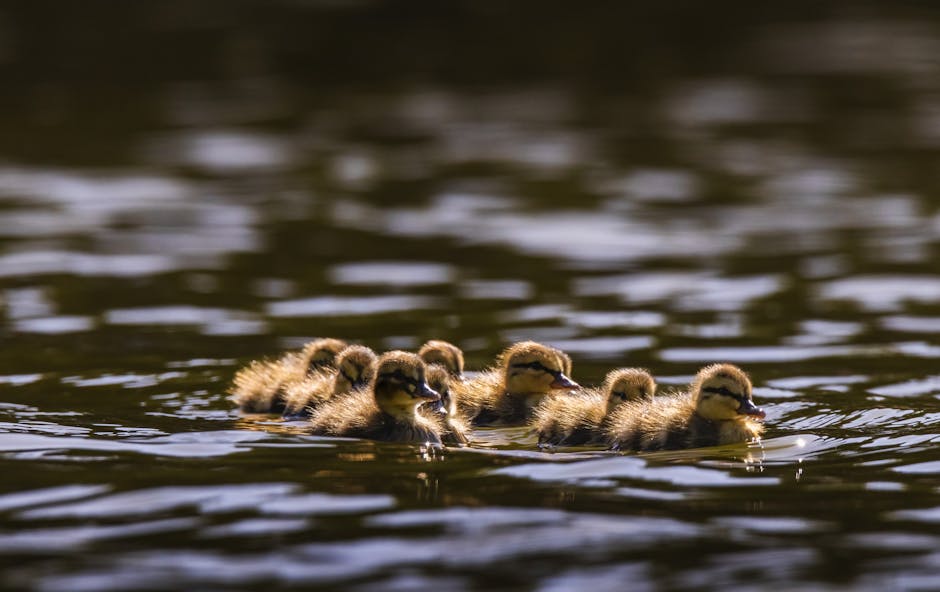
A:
{"points": [[247, 167], [185, 186]]}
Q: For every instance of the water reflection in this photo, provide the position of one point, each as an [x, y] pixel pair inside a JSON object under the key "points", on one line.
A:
{"points": [[757, 188]]}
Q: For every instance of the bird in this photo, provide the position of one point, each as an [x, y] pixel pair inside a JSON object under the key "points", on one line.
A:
{"points": [[565, 420], [444, 354], [716, 409], [449, 357], [388, 409], [455, 429], [506, 394], [355, 368], [258, 388]]}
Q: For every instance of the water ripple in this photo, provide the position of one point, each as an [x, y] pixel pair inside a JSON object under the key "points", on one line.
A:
{"points": [[630, 468], [324, 306], [38, 497], [185, 446], [48, 540]]}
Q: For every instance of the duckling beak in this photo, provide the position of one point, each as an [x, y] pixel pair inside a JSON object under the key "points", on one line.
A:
{"points": [[438, 407], [748, 408], [426, 392], [564, 383]]}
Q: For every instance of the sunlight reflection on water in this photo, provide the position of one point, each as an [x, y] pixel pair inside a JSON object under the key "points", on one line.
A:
{"points": [[238, 191]]}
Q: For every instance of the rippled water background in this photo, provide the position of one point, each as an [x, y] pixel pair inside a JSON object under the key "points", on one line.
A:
{"points": [[188, 186]]}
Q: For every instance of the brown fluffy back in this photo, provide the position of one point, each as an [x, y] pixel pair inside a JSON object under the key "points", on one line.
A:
{"points": [[347, 416], [561, 415], [255, 388], [310, 392], [650, 424], [480, 393]]}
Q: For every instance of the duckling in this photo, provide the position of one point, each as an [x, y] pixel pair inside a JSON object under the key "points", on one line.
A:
{"points": [[717, 409], [258, 388], [388, 410], [563, 420], [445, 354], [507, 395], [355, 369], [454, 427]]}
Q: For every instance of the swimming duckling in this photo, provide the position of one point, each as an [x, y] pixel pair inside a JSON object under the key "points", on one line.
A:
{"points": [[386, 411], [447, 356], [355, 369], [258, 388], [717, 409], [507, 395], [454, 427], [563, 420], [444, 354]]}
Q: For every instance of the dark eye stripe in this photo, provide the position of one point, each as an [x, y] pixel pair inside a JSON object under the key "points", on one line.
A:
{"points": [[620, 395], [724, 391], [399, 376], [537, 366]]}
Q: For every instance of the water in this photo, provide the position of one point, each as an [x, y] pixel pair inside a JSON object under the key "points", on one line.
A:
{"points": [[186, 187]]}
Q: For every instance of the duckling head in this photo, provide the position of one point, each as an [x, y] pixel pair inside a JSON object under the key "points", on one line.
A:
{"points": [[400, 384], [533, 368], [723, 391], [565, 360], [355, 368], [628, 384], [321, 353], [439, 380], [445, 354]]}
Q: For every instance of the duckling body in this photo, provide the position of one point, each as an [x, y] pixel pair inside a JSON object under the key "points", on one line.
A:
{"points": [[355, 369], [566, 420], [507, 395], [388, 410], [717, 409], [254, 388], [259, 388]]}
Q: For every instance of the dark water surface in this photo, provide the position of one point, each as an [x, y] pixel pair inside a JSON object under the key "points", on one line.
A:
{"points": [[187, 186]]}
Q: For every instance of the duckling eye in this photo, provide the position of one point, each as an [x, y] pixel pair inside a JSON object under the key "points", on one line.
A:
{"points": [[620, 395]]}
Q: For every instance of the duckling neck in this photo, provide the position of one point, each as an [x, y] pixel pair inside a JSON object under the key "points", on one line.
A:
{"points": [[723, 431], [339, 385], [399, 413], [532, 400], [704, 431], [529, 400], [705, 422], [516, 407]]}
